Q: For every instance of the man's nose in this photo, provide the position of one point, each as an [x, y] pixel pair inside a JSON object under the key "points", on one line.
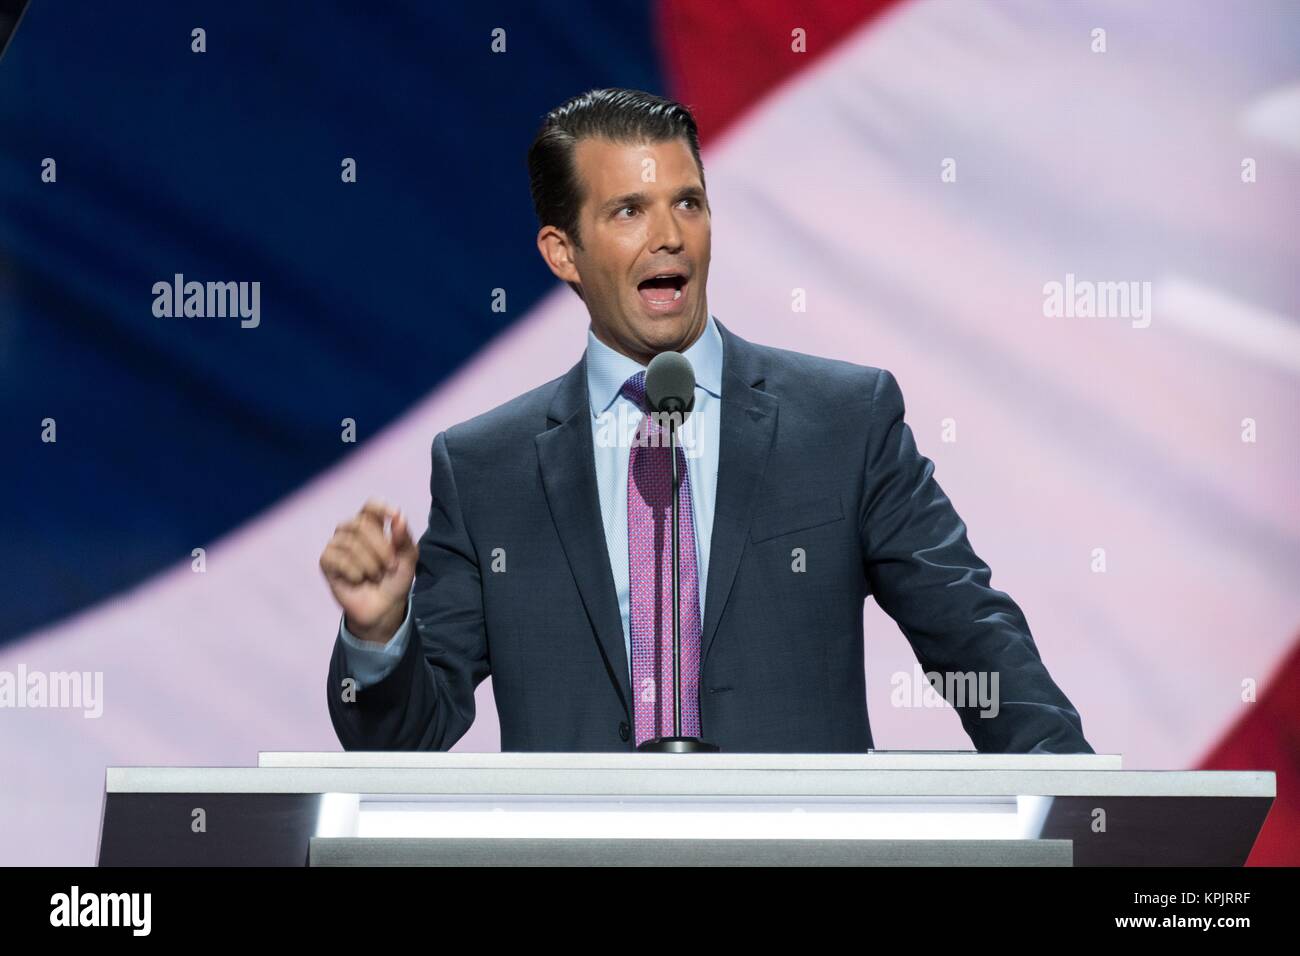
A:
{"points": [[665, 233]]}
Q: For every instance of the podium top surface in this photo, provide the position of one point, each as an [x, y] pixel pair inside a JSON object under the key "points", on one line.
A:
{"points": [[890, 774], [875, 760]]}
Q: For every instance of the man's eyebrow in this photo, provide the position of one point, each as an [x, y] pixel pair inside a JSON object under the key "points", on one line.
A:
{"points": [[638, 199]]}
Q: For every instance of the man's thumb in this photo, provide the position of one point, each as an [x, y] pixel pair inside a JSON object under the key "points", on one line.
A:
{"points": [[402, 541]]}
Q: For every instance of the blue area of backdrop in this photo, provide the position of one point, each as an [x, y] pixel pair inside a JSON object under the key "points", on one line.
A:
{"points": [[226, 166]]}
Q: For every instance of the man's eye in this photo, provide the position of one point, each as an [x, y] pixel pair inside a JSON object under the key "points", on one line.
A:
{"points": [[626, 207], [694, 202]]}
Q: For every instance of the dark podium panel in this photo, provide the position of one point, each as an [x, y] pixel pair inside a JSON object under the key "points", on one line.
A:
{"points": [[875, 809]]}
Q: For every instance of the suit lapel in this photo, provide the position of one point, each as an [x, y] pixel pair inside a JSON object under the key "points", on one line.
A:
{"points": [[748, 424], [567, 461]]}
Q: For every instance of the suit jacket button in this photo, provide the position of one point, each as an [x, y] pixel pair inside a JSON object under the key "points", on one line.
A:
{"points": [[624, 730]]}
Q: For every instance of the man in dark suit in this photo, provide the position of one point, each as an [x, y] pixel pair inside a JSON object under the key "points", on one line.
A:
{"points": [[545, 559]]}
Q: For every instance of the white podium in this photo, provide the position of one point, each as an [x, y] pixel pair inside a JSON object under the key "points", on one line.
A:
{"points": [[879, 808]]}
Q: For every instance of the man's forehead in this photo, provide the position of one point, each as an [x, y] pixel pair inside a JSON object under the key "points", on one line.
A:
{"points": [[607, 167]]}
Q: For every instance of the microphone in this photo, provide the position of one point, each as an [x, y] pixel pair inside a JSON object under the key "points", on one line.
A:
{"points": [[670, 391], [670, 383]]}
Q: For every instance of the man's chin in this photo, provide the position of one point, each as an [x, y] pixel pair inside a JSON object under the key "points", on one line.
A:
{"points": [[663, 333]]}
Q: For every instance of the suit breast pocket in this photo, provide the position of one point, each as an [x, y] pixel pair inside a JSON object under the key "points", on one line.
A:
{"points": [[795, 516]]}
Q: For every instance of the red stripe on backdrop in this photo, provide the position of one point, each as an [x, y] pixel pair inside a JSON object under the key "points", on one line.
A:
{"points": [[1268, 738], [722, 58]]}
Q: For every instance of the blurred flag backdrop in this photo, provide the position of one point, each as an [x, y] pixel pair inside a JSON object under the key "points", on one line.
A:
{"points": [[919, 171]]}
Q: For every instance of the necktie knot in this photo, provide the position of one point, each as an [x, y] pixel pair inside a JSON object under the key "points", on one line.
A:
{"points": [[634, 389]]}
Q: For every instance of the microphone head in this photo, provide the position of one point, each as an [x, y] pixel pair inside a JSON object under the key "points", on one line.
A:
{"points": [[670, 383]]}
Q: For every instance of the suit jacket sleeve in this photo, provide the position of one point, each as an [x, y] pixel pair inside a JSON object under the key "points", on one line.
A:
{"points": [[371, 663], [426, 702], [926, 576]]}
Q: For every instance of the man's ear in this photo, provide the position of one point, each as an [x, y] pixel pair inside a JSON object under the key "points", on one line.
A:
{"points": [[557, 252]]}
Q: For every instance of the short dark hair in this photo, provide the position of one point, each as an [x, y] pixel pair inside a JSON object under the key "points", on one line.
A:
{"points": [[619, 115]]}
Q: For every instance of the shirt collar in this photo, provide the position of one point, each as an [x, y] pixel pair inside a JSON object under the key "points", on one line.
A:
{"points": [[607, 370]]}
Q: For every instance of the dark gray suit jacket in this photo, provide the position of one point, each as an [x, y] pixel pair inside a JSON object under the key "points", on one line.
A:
{"points": [[814, 454]]}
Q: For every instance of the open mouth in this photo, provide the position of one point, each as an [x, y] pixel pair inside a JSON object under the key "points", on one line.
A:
{"points": [[663, 293]]}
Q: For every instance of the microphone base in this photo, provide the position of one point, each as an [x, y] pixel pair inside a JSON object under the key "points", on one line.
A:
{"points": [[678, 745]]}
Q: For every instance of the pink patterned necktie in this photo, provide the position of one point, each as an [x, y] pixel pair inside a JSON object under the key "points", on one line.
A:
{"points": [[650, 578]]}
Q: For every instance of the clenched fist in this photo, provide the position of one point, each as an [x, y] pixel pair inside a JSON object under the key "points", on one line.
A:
{"points": [[370, 572]]}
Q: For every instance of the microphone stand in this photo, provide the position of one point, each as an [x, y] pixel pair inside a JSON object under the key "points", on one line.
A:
{"points": [[676, 744]]}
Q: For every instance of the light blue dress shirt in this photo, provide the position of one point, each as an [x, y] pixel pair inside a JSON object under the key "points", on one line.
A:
{"points": [[614, 422]]}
